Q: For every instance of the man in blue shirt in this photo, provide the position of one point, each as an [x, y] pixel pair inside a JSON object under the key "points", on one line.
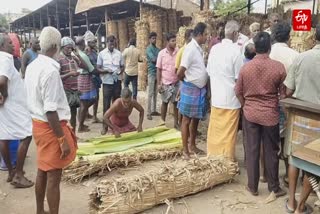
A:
{"points": [[152, 54]]}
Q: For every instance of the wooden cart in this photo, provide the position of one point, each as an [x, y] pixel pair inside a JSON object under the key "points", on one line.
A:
{"points": [[303, 134]]}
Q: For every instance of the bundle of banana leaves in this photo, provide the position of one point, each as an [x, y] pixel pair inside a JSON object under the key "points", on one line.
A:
{"points": [[108, 153]]}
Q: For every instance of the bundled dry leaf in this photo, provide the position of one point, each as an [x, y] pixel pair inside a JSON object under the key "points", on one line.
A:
{"points": [[136, 194], [123, 34], [84, 167]]}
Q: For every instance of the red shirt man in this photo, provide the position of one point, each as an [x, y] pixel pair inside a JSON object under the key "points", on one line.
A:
{"points": [[258, 86]]}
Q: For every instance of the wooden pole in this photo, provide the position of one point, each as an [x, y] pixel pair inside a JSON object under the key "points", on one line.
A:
{"points": [[249, 6], [41, 22], [265, 6], [57, 16], [201, 4], [34, 26], [140, 9], [87, 20], [106, 20], [48, 16], [313, 7], [70, 20], [206, 4]]}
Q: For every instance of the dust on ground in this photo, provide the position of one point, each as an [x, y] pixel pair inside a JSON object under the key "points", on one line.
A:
{"points": [[225, 199]]}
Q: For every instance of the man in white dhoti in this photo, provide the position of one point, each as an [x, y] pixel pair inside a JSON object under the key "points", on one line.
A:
{"points": [[15, 122]]}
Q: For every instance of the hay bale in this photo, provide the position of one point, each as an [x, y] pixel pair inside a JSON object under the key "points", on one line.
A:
{"points": [[180, 36], [123, 34], [155, 24], [302, 40], [165, 26], [112, 28], [85, 167], [142, 31], [142, 76], [173, 24], [136, 194], [131, 28]]}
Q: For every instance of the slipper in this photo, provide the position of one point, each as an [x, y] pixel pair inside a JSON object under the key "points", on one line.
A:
{"points": [[307, 209], [23, 183], [289, 210]]}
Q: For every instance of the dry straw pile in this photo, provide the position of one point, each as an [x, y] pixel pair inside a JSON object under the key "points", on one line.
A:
{"points": [[93, 165], [173, 23], [136, 194], [142, 31], [302, 40], [131, 28], [112, 28], [180, 36], [154, 19], [123, 34]]}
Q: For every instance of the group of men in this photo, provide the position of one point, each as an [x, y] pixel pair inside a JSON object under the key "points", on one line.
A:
{"points": [[248, 83], [244, 80]]}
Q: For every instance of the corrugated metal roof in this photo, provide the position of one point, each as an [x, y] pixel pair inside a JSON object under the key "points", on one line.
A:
{"points": [[85, 5]]}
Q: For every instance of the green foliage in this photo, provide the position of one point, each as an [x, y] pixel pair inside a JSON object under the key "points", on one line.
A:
{"points": [[3, 22], [222, 8]]}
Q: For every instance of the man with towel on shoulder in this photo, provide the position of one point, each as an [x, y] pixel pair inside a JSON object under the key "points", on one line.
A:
{"points": [[50, 112], [92, 53]]}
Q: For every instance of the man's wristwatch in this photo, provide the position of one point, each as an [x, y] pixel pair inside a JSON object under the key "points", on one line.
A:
{"points": [[61, 139]]}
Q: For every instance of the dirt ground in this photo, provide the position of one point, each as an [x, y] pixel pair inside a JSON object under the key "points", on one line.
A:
{"points": [[225, 199]]}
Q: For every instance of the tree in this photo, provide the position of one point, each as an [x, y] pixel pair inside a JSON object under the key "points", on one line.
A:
{"points": [[222, 8], [3, 22]]}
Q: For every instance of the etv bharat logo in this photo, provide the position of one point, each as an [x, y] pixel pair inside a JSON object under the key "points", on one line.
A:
{"points": [[301, 20]]}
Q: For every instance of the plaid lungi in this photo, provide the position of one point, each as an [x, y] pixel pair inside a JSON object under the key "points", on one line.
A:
{"points": [[192, 101]]}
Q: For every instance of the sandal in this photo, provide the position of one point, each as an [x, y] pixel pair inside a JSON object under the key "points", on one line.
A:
{"points": [[22, 183], [289, 210]]}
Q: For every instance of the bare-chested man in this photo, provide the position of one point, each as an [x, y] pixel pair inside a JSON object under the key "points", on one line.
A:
{"points": [[117, 116]]}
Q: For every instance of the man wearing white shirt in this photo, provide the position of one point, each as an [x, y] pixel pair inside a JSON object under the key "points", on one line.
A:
{"points": [[224, 64], [15, 120], [194, 77], [110, 65], [281, 52], [50, 112]]}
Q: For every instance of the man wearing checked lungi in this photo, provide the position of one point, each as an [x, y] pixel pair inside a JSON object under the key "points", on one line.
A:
{"points": [[194, 77]]}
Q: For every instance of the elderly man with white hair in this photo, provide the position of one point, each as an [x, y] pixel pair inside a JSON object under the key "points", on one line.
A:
{"points": [[225, 61], [50, 112], [254, 28], [15, 121]]}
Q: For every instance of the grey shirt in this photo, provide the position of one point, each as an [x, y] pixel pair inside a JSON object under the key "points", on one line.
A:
{"points": [[304, 75]]}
